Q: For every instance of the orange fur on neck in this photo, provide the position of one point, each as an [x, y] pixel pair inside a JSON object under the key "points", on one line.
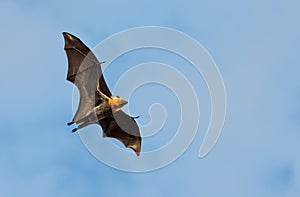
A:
{"points": [[110, 103]]}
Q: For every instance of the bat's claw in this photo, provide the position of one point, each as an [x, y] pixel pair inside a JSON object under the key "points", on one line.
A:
{"points": [[70, 123], [74, 130]]}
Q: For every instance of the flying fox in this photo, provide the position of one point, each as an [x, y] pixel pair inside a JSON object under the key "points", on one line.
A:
{"points": [[96, 104]]}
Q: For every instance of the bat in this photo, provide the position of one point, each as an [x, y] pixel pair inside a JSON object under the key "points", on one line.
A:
{"points": [[96, 104]]}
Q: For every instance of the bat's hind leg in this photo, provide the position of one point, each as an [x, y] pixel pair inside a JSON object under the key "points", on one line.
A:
{"points": [[89, 119], [70, 123], [84, 125]]}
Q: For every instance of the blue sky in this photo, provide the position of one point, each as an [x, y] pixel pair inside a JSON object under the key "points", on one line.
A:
{"points": [[255, 45]]}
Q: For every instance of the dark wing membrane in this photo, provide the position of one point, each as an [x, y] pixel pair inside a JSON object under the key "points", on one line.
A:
{"points": [[124, 128], [85, 72]]}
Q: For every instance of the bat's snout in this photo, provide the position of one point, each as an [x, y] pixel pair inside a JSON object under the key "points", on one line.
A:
{"points": [[117, 102], [122, 102]]}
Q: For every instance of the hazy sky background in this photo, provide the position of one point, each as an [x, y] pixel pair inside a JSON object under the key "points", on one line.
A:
{"points": [[256, 47]]}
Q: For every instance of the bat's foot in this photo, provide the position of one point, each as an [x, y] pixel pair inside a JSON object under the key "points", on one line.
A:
{"points": [[70, 123], [74, 130]]}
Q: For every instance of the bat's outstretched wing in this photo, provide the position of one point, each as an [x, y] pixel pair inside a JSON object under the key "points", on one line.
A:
{"points": [[85, 72], [123, 128]]}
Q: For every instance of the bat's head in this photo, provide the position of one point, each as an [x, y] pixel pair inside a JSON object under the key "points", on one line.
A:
{"points": [[116, 103]]}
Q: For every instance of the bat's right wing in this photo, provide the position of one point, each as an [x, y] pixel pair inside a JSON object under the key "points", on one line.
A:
{"points": [[124, 128], [85, 72]]}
